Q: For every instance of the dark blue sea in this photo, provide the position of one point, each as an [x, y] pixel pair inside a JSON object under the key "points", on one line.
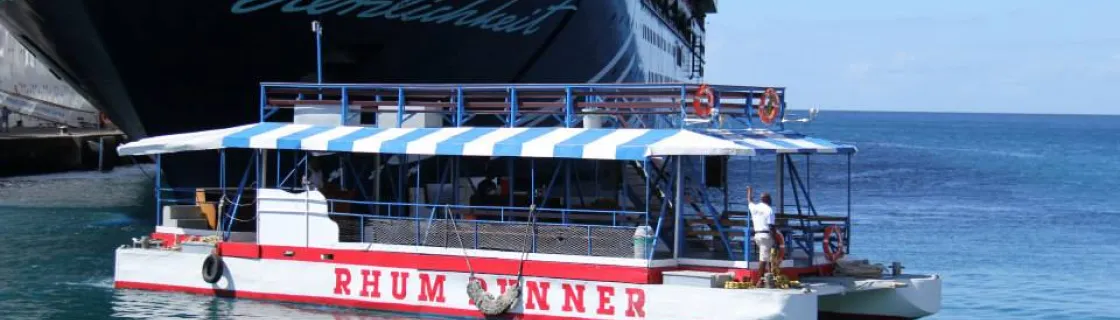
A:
{"points": [[1020, 214]]}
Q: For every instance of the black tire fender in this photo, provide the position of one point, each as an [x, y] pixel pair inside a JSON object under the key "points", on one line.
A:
{"points": [[212, 268]]}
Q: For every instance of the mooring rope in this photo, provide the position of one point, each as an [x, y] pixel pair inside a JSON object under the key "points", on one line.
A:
{"points": [[484, 301]]}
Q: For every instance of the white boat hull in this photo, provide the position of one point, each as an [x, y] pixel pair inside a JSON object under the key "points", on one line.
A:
{"points": [[920, 297], [444, 293]]}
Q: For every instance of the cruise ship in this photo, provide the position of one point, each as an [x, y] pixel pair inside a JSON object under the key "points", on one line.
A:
{"points": [[171, 66], [36, 97]]}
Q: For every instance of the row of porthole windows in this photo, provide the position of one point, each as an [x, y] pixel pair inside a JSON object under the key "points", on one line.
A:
{"points": [[656, 39], [660, 42]]}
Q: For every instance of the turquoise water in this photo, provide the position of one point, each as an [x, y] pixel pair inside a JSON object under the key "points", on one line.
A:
{"points": [[1020, 215]]}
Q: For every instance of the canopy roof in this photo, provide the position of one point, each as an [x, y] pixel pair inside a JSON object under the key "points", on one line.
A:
{"points": [[769, 142], [577, 143]]}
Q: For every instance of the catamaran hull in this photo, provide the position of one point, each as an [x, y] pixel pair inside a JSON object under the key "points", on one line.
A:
{"points": [[370, 284], [921, 297]]}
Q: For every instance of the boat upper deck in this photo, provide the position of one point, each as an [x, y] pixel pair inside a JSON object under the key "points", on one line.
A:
{"points": [[591, 121]]}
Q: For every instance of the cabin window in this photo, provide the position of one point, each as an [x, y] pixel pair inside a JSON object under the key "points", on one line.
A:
{"points": [[680, 57]]}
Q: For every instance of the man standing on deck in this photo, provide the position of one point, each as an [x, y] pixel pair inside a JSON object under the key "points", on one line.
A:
{"points": [[762, 223]]}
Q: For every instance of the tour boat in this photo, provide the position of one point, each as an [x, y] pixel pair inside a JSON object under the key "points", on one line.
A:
{"points": [[378, 196]]}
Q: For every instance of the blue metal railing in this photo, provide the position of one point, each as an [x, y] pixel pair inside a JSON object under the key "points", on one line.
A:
{"points": [[672, 103]]}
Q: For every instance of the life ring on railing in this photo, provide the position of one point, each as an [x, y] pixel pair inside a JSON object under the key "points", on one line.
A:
{"points": [[833, 253], [769, 106], [703, 92], [212, 268]]}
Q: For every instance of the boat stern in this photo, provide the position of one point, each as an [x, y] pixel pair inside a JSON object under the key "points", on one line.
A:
{"points": [[901, 297]]}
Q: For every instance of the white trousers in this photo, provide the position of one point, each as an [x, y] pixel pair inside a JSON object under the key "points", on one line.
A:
{"points": [[765, 243]]}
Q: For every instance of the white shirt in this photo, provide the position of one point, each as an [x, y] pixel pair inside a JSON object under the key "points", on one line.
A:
{"points": [[762, 216], [315, 182], [316, 179]]}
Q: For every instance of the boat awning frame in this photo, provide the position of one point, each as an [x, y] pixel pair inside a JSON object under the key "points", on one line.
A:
{"points": [[536, 142]]}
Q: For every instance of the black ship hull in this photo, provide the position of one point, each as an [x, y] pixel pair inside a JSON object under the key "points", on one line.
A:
{"points": [[172, 66]]}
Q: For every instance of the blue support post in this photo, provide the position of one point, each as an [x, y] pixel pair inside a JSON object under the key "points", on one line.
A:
{"points": [[678, 210], [345, 106], [263, 103], [645, 169], [279, 183], [512, 108], [782, 112], [848, 220], [400, 106], [684, 95], [808, 176], [237, 199], [568, 112], [459, 109], [159, 190], [318, 29], [533, 181], [747, 235], [222, 184]]}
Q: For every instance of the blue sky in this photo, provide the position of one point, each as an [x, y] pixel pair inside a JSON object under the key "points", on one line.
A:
{"points": [[1013, 56]]}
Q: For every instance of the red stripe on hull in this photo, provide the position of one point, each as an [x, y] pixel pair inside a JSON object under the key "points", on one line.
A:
{"points": [[497, 266], [394, 307], [240, 250]]}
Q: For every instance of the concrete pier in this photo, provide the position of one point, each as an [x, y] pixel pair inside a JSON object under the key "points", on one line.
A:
{"points": [[45, 150]]}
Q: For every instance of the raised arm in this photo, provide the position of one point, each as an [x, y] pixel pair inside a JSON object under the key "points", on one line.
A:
{"points": [[750, 194]]}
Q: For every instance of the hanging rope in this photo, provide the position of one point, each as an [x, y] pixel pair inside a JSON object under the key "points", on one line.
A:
{"points": [[484, 301]]}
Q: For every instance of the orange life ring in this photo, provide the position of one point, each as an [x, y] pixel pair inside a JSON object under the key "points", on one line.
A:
{"points": [[829, 253], [703, 92], [768, 106]]}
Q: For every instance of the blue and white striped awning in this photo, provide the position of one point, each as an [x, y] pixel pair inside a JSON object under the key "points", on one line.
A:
{"points": [[574, 143], [765, 142], [578, 143]]}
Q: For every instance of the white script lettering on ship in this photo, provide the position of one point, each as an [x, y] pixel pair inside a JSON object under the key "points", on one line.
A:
{"points": [[497, 19]]}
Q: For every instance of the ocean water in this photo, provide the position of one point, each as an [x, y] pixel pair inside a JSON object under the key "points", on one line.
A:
{"points": [[1020, 214]]}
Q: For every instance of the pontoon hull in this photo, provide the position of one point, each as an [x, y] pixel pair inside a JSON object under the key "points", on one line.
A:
{"points": [[444, 293], [921, 297], [370, 284]]}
